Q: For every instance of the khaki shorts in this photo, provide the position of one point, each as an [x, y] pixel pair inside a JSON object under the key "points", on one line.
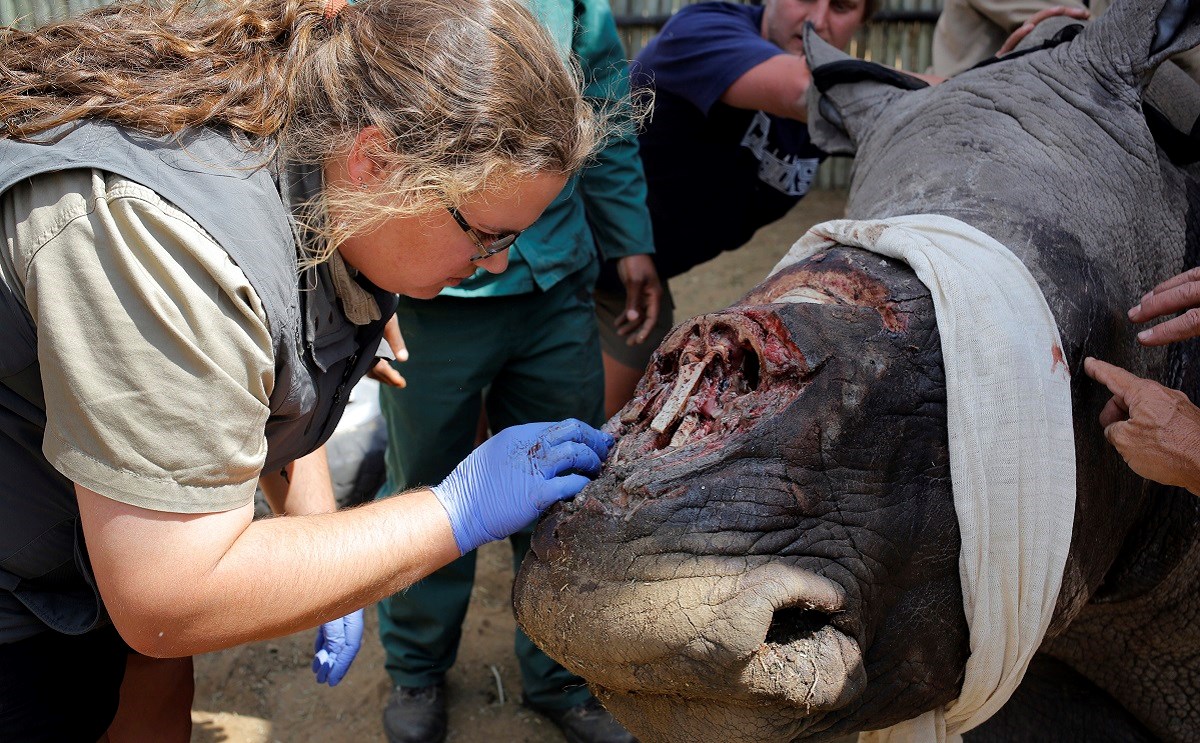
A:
{"points": [[609, 305]]}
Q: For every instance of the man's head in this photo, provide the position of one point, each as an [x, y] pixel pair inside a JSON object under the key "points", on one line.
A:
{"points": [[835, 21]]}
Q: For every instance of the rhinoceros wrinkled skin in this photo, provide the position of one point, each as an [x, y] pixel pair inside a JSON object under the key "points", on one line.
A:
{"points": [[771, 552]]}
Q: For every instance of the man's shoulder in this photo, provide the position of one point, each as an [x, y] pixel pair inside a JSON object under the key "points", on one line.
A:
{"points": [[711, 34], [732, 15]]}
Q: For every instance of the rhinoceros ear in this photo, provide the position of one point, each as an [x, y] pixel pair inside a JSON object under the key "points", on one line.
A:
{"points": [[847, 94], [1137, 35]]}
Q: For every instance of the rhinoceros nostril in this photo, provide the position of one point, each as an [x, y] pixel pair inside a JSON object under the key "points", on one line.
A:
{"points": [[750, 368], [791, 624]]}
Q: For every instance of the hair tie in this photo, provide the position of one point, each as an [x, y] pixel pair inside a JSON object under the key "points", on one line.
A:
{"points": [[333, 7]]}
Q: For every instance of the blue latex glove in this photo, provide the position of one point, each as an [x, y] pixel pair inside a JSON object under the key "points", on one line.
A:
{"points": [[516, 474], [337, 644]]}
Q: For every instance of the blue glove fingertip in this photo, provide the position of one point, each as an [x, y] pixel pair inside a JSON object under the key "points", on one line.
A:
{"points": [[571, 429], [562, 487], [599, 441], [352, 626], [571, 456], [321, 666]]}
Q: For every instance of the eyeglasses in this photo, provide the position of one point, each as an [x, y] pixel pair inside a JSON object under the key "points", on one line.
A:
{"points": [[497, 243]]}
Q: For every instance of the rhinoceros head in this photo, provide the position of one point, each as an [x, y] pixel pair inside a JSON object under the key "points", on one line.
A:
{"points": [[771, 551], [775, 524]]}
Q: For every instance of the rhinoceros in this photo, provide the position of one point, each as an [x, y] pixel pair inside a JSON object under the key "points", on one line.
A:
{"points": [[781, 563]]}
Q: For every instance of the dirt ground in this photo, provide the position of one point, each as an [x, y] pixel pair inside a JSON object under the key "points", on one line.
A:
{"points": [[265, 692]]}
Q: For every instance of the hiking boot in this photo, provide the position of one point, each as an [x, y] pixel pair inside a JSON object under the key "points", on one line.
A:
{"points": [[416, 714], [585, 723]]}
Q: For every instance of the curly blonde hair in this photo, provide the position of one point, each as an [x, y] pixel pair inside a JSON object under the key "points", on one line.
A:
{"points": [[467, 93]]}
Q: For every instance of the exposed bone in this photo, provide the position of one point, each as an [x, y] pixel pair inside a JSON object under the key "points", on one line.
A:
{"points": [[685, 430], [617, 455], [689, 375], [805, 295], [634, 409]]}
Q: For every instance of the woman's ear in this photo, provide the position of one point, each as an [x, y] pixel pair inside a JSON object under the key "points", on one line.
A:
{"points": [[362, 168]]}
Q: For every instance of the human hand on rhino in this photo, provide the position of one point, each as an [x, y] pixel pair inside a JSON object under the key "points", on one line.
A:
{"points": [[1027, 27], [516, 474], [1020, 32], [1155, 429], [1180, 293]]}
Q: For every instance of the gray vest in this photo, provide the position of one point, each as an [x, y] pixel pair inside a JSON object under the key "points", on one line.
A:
{"points": [[234, 194]]}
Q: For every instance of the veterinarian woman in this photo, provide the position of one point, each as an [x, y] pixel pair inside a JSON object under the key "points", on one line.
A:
{"points": [[207, 216], [1156, 429]]}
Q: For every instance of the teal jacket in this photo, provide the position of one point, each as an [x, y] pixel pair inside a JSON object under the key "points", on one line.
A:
{"points": [[602, 211]]}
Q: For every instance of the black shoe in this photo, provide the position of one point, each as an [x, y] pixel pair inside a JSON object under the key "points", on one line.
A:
{"points": [[416, 714], [585, 723]]}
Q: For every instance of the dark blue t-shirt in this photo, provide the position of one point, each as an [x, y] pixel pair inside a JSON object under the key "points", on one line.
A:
{"points": [[715, 173]]}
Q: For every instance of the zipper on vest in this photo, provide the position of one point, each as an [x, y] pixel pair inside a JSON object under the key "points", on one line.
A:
{"points": [[337, 394], [310, 362]]}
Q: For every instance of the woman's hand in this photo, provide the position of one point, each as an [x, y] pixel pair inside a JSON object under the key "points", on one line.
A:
{"points": [[515, 475], [337, 644]]}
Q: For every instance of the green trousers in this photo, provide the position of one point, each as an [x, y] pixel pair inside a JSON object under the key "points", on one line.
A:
{"points": [[525, 358]]}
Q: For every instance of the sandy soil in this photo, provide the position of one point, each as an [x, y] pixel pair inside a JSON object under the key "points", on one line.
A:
{"points": [[265, 692]]}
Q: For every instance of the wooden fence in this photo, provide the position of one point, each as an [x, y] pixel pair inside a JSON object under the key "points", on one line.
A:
{"points": [[900, 35], [29, 13]]}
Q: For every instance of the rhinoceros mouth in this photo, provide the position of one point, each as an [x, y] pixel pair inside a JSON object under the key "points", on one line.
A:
{"points": [[744, 632], [809, 681], [714, 378]]}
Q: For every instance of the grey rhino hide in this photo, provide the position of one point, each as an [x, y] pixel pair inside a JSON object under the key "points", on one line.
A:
{"points": [[1050, 154]]}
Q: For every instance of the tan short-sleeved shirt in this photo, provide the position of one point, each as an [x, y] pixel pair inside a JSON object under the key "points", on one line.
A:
{"points": [[970, 31], [155, 356]]}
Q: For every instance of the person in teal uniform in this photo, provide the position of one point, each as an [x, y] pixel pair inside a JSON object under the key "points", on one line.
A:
{"points": [[519, 346]]}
